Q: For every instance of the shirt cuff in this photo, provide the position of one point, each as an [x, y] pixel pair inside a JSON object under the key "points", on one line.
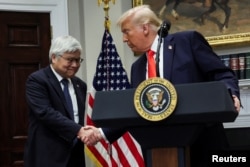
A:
{"points": [[103, 135]]}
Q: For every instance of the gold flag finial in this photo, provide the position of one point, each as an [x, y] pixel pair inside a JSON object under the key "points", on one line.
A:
{"points": [[106, 9], [137, 3]]}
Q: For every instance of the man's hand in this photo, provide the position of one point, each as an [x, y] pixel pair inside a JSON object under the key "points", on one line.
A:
{"points": [[89, 135], [236, 103]]}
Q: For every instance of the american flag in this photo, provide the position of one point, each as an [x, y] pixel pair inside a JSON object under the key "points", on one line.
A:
{"points": [[110, 75]]}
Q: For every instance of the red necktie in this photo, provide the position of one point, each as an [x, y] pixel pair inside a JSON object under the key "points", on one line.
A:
{"points": [[151, 64]]}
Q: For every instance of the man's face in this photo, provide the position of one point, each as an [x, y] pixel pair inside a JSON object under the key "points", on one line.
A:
{"points": [[67, 64], [135, 36]]}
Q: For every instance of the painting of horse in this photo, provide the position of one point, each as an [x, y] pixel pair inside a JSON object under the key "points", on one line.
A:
{"points": [[208, 7], [220, 21]]}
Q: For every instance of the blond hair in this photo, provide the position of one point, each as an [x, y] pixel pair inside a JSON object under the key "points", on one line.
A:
{"points": [[141, 15]]}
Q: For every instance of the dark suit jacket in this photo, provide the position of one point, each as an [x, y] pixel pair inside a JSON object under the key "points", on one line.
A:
{"points": [[51, 129], [188, 58]]}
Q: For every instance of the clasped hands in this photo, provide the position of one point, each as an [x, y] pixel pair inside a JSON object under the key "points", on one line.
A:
{"points": [[89, 135]]}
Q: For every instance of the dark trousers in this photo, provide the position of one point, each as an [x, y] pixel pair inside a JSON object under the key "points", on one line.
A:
{"points": [[211, 139], [77, 158]]}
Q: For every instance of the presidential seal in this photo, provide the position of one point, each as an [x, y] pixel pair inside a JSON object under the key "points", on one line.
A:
{"points": [[155, 99]]}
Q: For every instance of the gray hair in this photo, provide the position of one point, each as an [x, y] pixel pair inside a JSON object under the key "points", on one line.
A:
{"points": [[141, 15], [63, 44]]}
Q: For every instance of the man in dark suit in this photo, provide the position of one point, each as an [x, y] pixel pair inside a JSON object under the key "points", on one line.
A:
{"points": [[185, 57], [54, 124]]}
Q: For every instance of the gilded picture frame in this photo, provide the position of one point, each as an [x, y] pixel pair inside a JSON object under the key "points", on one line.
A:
{"points": [[190, 18]]}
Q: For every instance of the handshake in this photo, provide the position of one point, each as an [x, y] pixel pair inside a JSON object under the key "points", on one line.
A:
{"points": [[89, 135]]}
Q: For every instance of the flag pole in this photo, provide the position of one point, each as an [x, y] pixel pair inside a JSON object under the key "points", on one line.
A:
{"points": [[107, 24], [110, 75], [106, 9]]}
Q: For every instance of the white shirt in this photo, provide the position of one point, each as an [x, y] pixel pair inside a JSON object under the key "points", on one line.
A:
{"points": [[154, 48], [72, 94]]}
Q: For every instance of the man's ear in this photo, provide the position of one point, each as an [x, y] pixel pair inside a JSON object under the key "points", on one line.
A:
{"points": [[145, 28], [53, 57]]}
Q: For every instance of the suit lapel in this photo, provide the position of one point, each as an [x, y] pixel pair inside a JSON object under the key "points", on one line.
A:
{"points": [[54, 82], [168, 58], [80, 99], [142, 68], [58, 89]]}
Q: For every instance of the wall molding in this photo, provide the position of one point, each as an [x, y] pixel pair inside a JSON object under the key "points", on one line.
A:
{"points": [[56, 8]]}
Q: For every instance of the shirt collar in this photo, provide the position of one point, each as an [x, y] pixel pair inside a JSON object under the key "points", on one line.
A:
{"points": [[59, 77], [155, 43]]}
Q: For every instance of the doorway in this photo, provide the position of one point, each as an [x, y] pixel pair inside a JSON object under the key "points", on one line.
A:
{"points": [[24, 46]]}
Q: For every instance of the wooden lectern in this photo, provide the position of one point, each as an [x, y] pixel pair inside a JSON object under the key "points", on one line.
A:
{"points": [[198, 104]]}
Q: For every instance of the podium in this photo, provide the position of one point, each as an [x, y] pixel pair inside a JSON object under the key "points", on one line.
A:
{"points": [[198, 105]]}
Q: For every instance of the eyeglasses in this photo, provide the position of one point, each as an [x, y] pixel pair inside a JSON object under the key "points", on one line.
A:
{"points": [[71, 60]]}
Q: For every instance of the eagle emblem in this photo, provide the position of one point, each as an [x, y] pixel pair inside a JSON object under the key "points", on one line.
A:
{"points": [[155, 99]]}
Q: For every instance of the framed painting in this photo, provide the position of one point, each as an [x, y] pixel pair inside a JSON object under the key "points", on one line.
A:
{"points": [[220, 21]]}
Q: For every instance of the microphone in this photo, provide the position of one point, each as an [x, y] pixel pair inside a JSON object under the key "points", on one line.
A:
{"points": [[162, 32]]}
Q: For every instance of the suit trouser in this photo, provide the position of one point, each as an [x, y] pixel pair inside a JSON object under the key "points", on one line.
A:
{"points": [[77, 158]]}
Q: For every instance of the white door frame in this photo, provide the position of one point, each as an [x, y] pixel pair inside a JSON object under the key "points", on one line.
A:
{"points": [[58, 10]]}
